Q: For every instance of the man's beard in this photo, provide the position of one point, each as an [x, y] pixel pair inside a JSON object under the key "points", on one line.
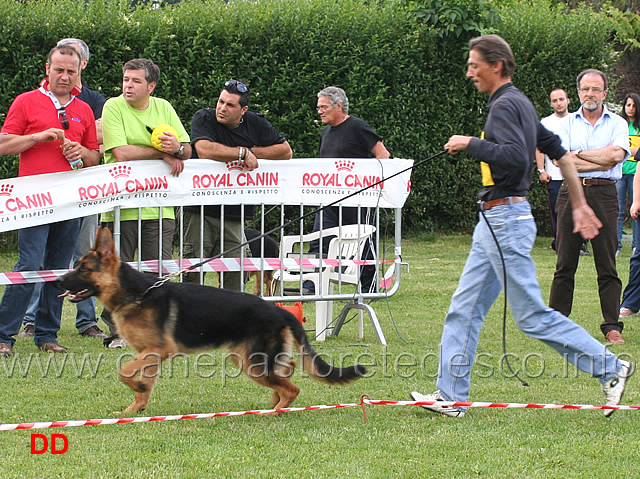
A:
{"points": [[595, 106]]}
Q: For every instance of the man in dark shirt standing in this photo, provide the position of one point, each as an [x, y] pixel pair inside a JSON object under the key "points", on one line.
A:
{"points": [[345, 136], [512, 133], [228, 132]]}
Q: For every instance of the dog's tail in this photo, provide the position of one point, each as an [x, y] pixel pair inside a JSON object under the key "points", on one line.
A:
{"points": [[317, 367]]}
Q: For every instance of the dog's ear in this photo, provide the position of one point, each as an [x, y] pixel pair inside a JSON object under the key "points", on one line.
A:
{"points": [[104, 242], [98, 235]]}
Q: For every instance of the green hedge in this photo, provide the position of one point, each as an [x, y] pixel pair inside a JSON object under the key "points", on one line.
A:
{"points": [[401, 74]]}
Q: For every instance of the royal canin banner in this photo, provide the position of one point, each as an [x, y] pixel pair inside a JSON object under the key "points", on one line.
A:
{"points": [[34, 200]]}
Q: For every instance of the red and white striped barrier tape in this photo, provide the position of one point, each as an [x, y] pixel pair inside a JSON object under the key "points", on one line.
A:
{"points": [[508, 405], [215, 265], [23, 277], [129, 420], [364, 401]]}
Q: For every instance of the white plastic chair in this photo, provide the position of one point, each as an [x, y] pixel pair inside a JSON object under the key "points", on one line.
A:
{"points": [[348, 244]]}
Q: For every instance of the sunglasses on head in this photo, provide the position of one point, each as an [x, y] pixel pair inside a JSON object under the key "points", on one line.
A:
{"points": [[62, 114], [241, 87]]}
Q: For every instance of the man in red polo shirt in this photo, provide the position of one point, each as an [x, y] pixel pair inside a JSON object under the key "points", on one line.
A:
{"points": [[52, 131]]}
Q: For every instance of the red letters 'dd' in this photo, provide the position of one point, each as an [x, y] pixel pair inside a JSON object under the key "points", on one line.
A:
{"points": [[55, 439]]}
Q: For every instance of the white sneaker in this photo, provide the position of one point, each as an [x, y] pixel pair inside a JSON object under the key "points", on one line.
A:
{"points": [[614, 389], [444, 410], [117, 343], [626, 312]]}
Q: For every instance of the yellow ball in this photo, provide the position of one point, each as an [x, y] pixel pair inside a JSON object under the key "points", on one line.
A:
{"points": [[160, 131]]}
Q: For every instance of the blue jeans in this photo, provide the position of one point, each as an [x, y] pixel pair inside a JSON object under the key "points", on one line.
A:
{"points": [[51, 247], [479, 286], [86, 309], [631, 295], [624, 187]]}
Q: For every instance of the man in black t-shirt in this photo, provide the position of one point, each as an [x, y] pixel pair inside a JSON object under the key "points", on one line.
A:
{"points": [[344, 136], [228, 132]]}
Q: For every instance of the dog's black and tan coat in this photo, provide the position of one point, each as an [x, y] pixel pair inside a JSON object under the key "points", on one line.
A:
{"points": [[184, 318]]}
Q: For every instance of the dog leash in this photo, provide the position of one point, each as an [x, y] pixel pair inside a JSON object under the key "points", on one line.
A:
{"points": [[162, 280]]}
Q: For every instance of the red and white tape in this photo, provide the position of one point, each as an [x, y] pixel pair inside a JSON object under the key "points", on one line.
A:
{"points": [[508, 405], [365, 401], [215, 265], [129, 420]]}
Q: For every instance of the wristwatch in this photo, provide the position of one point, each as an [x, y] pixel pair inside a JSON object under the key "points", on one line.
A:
{"points": [[540, 171], [180, 151]]}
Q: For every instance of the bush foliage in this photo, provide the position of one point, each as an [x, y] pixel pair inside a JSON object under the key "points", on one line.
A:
{"points": [[402, 74]]}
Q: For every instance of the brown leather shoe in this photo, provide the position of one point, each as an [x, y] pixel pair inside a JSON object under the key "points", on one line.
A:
{"points": [[614, 337], [5, 350], [53, 347], [93, 332], [29, 331]]}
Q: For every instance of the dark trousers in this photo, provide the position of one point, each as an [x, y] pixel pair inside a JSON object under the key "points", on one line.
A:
{"points": [[553, 188], [604, 202], [49, 246], [631, 295]]}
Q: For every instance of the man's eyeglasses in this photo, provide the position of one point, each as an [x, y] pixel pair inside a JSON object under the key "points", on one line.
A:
{"points": [[595, 90], [241, 87], [62, 114]]}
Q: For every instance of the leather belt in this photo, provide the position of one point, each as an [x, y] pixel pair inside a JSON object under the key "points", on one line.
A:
{"points": [[487, 205], [596, 181]]}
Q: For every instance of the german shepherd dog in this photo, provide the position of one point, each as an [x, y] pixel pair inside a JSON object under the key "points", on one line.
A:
{"points": [[173, 318], [271, 250]]}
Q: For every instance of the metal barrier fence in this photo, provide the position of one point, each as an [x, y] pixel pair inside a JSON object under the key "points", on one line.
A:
{"points": [[304, 183], [335, 274]]}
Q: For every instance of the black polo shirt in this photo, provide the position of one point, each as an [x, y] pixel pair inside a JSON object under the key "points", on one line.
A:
{"points": [[512, 133]]}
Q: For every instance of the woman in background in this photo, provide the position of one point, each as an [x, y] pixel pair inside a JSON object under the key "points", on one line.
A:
{"points": [[631, 295], [625, 184]]}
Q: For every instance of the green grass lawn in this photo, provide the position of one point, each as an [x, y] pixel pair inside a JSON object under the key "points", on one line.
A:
{"points": [[395, 442]]}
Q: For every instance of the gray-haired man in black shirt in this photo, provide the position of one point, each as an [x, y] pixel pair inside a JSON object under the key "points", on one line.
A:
{"points": [[345, 136]]}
